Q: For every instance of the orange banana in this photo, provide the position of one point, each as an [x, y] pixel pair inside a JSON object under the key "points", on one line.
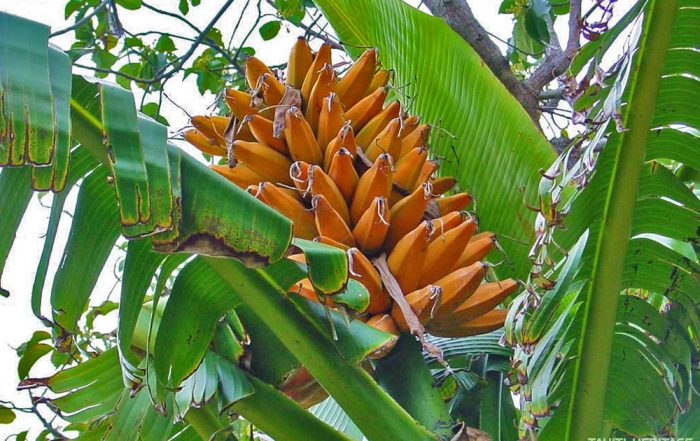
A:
{"points": [[330, 121], [406, 258], [299, 173], [240, 103], [370, 231], [458, 286], [408, 125], [444, 251], [456, 202], [429, 167], [321, 183], [477, 248], [384, 322], [304, 225], [300, 138], [264, 161], [367, 108], [375, 125], [240, 175], [203, 143], [407, 214], [422, 303], [263, 80], [345, 139], [418, 137], [323, 57], [300, 59], [354, 84], [409, 168], [206, 127], [325, 85], [488, 322], [331, 242], [254, 68], [486, 297], [343, 173], [387, 141], [447, 222], [261, 128], [329, 223], [443, 184], [362, 270], [380, 79], [375, 182]]}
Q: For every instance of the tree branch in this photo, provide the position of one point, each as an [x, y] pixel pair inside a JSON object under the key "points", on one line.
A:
{"points": [[557, 61], [459, 16], [83, 20]]}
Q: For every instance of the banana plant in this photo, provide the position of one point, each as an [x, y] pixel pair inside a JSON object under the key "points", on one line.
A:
{"points": [[617, 323]]}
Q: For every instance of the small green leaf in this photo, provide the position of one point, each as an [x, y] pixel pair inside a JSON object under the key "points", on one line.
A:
{"points": [[131, 69], [133, 42], [184, 7], [152, 109], [215, 35], [129, 4], [269, 30], [535, 26], [6, 415], [72, 6], [165, 44]]}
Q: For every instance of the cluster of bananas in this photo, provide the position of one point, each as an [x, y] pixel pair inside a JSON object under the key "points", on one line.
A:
{"points": [[354, 173]]}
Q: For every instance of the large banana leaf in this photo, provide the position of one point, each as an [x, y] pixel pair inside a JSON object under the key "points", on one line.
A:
{"points": [[636, 223], [491, 146]]}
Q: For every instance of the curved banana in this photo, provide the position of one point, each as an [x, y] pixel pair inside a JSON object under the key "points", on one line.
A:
{"points": [[422, 302], [322, 58], [343, 173], [367, 108], [261, 128], [330, 121], [300, 59], [354, 84], [371, 229], [345, 139], [407, 214], [329, 223], [321, 183], [444, 251], [304, 223], [362, 270], [375, 182], [300, 138], [387, 141], [478, 247], [376, 124], [456, 202], [263, 160], [406, 258], [241, 174], [326, 84]]}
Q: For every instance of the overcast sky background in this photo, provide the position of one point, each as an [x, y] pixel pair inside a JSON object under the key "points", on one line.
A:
{"points": [[16, 319]]}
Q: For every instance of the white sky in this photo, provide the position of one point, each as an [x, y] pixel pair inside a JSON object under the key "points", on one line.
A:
{"points": [[16, 319]]}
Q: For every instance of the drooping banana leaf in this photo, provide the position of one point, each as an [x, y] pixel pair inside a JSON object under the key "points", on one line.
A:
{"points": [[26, 119], [487, 140], [16, 194]]}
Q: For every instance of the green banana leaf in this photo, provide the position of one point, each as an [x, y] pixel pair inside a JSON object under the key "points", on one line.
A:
{"points": [[492, 146], [15, 193]]}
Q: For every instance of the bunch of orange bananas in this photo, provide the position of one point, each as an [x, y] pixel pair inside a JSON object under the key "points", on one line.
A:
{"points": [[354, 173]]}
